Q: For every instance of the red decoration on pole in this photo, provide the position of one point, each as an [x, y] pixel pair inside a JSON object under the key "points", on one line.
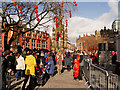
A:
{"points": [[20, 9], [9, 11], [76, 4], [21, 15], [37, 15], [21, 12], [70, 13], [57, 22], [36, 7], [36, 11], [38, 19], [14, 4], [18, 6]]}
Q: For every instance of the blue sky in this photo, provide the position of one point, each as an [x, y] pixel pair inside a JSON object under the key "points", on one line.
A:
{"points": [[92, 16], [92, 9]]}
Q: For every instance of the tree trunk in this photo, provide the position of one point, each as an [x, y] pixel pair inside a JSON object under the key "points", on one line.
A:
{"points": [[6, 46]]}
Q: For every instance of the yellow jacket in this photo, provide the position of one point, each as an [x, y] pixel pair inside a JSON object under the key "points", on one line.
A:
{"points": [[30, 62]]}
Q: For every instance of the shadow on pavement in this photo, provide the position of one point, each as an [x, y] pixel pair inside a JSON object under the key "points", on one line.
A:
{"points": [[16, 84]]}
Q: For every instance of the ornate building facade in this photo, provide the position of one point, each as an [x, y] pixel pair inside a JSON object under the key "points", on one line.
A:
{"points": [[59, 37]]}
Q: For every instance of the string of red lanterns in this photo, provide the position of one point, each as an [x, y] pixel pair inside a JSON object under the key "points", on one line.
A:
{"points": [[36, 11], [75, 3], [70, 14], [56, 21], [62, 3]]}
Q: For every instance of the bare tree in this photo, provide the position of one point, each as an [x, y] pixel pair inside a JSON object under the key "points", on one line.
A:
{"points": [[22, 17]]}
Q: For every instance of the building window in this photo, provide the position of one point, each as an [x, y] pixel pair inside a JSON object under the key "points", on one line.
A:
{"points": [[47, 43], [28, 44], [43, 44], [27, 34], [39, 45], [33, 43]]}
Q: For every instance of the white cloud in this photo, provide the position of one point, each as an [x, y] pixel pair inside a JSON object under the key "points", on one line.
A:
{"points": [[80, 25]]}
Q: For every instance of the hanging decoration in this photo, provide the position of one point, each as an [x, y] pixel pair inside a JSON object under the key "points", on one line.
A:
{"points": [[70, 13], [57, 22], [37, 19], [18, 6], [21, 15], [14, 4], [66, 23], [75, 3], [37, 15], [36, 7], [20, 9], [62, 3], [36, 11]]}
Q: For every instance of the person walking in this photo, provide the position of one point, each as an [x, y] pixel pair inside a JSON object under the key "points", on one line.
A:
{"points": [[51, 64], [59, 62], [68, 60], [20, 67], [11, 63], [30, 62], [74, 57]]}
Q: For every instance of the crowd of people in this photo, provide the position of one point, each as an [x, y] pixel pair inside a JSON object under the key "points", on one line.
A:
{"points": [[26, 64]]}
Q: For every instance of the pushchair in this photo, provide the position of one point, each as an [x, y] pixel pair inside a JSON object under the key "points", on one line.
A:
{"points": [[41, 75]]}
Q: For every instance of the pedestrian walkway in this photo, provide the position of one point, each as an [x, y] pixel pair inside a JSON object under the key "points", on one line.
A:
{"points": [[64, 80]]}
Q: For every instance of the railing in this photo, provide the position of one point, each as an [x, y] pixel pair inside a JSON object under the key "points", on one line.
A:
{"points": [[98, 78], [114, 82]]}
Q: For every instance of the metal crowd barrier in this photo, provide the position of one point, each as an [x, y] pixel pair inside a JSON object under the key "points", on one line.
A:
{"points": [[114, 82], [98, 78]]}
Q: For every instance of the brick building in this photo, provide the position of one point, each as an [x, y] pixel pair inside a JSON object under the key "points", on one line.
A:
{"points": [[33, 40]]}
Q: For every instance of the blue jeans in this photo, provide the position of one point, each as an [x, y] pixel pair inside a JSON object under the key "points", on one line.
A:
{"points": [[19, 71]]}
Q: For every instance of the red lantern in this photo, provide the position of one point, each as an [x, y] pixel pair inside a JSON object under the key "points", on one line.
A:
{"points": [[9, 11], [62, 4], [36, 7], [15, 11], [37, 15], [18, 6], [38, 19], [21, 15], [56, 17], [14, 4], [20, 9], [21, 12], [45, 32], [57, 26], [76, 4], [70, 13], [36, 11]]}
